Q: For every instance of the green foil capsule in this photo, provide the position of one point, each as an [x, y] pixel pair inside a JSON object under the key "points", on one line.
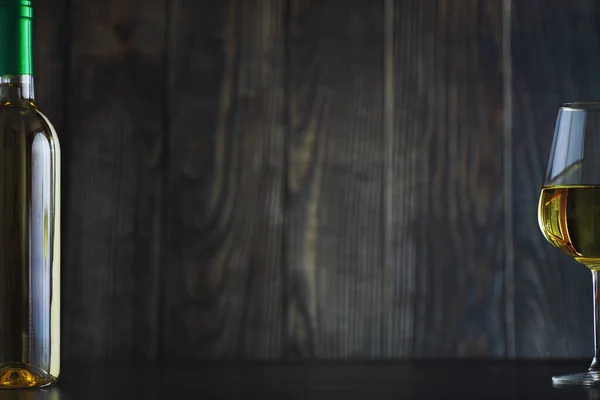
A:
{"points": [[15, 37]]}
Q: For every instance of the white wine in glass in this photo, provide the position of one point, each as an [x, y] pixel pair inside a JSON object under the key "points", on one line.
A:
{"points": [[569, 206]]}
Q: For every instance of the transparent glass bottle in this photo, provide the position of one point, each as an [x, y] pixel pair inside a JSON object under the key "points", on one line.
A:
{"points": [[29, 215]]}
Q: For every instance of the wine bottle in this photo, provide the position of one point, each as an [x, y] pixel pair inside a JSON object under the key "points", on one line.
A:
{"points": [[29, 214]]}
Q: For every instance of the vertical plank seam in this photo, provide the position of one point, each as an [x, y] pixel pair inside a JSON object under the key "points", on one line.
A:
{"points": [[65, 143], [388, 115], [238, 13], [165, 164], [285, 195], [509, 281]]}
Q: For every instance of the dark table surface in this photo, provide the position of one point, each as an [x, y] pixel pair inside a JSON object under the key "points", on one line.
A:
{"points": [[367, 380]]}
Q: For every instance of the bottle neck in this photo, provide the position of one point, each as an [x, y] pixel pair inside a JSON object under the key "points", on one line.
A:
{"points": [[16, 88], [16, 18]]}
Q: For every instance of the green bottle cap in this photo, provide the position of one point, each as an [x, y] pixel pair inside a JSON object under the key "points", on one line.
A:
{"points": [[15, 37]]}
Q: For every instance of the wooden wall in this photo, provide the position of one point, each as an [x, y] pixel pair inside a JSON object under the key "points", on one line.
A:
{"points": [[297, 179]]}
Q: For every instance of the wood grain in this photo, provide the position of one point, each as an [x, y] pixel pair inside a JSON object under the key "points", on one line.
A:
{"points": [[223, 277], [233, 188], [555, 59], [116, 125], [334, 224], [50, 45], [448, 211]]}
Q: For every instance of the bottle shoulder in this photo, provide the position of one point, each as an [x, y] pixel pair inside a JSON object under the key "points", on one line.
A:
{"points": [[26, 117]]}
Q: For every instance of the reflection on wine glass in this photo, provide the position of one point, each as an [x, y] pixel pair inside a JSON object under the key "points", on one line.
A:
{"points": [[569, 205]]}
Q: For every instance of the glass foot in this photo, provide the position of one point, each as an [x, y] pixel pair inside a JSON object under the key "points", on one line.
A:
{"points": [[588, 378]]}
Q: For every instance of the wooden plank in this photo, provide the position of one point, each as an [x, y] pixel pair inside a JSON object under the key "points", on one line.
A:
{"points": [[448, 220], [225, 173], [49, 49], [555, 59], [116, 120], [334, 229]]}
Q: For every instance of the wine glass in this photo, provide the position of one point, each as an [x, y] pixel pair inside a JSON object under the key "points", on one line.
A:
{"points": [[569, 205]]}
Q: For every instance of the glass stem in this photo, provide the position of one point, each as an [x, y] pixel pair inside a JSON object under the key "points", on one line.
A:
{"points": [[596, 281]]}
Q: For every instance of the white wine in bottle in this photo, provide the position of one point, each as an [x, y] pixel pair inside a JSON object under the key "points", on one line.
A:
{"points": [[29, 215]]}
